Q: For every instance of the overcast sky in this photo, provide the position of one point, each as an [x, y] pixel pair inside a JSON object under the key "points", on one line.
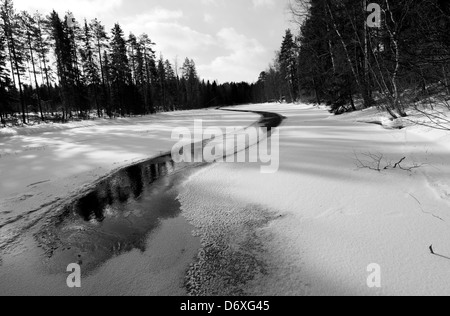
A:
{"points": [[230, 40]]}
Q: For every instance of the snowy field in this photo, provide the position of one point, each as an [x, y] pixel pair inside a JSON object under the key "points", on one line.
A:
{"points": [[336, 219], [312, 228], [45, 164]]}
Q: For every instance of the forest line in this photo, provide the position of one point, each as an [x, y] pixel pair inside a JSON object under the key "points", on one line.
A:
{"points": [[337, 56], [54, 68], [57, 69]]}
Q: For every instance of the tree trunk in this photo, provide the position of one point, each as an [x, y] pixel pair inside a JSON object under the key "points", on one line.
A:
{"points": [[446, 82], [316, 92], [330, 44], [12, 65], [395, 91], [352, 101], [35, 77], [290, 91], [367, 90], [99, 112], [22, 101]]}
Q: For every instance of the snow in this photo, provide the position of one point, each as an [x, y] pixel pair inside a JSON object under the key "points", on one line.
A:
{"points": [[334, 219], [46, 164], [312, 228]]}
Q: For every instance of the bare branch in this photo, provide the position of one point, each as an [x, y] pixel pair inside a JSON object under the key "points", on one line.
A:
{"points": [[377, 162]]}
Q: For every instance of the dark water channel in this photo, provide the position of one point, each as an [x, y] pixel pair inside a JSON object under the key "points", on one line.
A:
{"points": [[121, 211]]}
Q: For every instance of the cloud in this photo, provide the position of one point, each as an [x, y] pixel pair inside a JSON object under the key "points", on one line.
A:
{"points": [[208, 18], [226, 55], [80, 8], [212, 2], [245, 59], [263, 3], [170, 35], [161, 14]]}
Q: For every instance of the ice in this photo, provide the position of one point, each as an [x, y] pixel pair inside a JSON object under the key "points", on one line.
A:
{"points": [[312, 228]]}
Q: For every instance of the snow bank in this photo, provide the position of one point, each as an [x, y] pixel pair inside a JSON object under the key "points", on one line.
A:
{"points": [[334, 219]]}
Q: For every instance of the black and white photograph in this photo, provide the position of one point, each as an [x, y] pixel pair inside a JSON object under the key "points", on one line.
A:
{"points": [[225, 155]]}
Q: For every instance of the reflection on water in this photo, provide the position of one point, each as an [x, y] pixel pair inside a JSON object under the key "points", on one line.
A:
{"points": [[122, 210], [117, 215], [128, 184]]}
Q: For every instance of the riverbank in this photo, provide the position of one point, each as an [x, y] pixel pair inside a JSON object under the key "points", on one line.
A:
{"points": [[330, 217]]}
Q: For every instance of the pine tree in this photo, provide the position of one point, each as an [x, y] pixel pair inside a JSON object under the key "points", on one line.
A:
{"points": [[31, 32], [14, 40], [107, 78], [153, 84], [191, 80], [135, 98], [42, 47], [120, 70], [100, 38], [288, 64], [138, 65], [162, 83], [90, 66], [79, 92], [171, 85], [5, 81], [133, 52], [150, 71], [63, 51]]}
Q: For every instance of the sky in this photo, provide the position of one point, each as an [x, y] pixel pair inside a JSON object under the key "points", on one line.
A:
{"points": [[230, 40]]}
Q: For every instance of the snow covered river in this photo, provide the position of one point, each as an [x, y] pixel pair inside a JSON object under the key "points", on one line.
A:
{"points": [[314, 227], [134, 211]]}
